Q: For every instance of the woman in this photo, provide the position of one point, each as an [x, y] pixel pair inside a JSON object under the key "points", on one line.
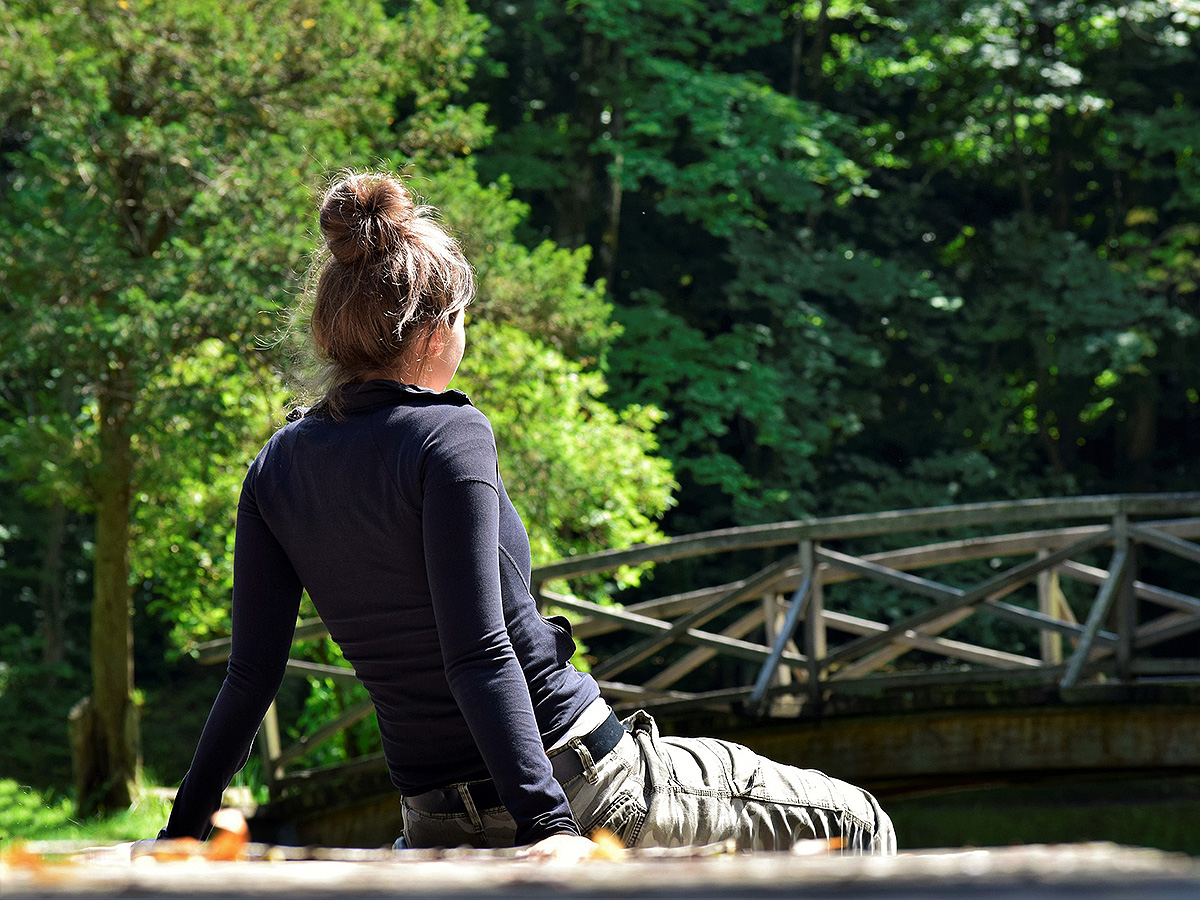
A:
{"points": [[385, 502]]}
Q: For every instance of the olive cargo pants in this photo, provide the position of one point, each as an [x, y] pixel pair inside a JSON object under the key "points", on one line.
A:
{"points": [[654, 791]]}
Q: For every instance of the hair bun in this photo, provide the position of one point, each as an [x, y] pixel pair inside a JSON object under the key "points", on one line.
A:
{"points": [[364, 216]]}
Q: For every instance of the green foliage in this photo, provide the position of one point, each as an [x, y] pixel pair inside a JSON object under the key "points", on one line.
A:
{"points": [[974, 218], [583, 477], [183, 514], [154, 206], [727, 394], [158, 173], [727, 152], [34, 698], [28, 814]]}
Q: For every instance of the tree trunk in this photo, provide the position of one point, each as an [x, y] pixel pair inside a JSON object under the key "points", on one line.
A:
{"points": [[1060, 200], [1141, 436], [616, 192], [573, 204], [115, 717], [816, 68], [797, 66], [50, 592]]}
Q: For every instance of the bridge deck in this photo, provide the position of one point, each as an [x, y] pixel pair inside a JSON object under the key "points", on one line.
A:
{"points": [[1097, 871]]}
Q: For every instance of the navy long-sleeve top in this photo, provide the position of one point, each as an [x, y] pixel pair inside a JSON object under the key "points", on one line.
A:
{"points": [[395, 520]]}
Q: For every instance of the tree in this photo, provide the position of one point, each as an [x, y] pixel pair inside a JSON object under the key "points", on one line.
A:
{"points": [[642, 130], [1011, 163], [154, 208], [159, 169], [834, 217]]}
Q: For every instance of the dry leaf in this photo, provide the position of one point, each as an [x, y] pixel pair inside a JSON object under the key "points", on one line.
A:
{"points": [[176, 848], [230, 835], [817, 846], [608, 845], [19, 858]]}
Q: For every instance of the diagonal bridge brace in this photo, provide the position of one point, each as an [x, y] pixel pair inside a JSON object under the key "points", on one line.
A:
{"points": [[728, 644], [1100, 606], [751, 587], [952, 598]]}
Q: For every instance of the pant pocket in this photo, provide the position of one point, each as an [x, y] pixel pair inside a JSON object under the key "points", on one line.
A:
{"points": [[641, 721], [495, 828], [624, 815], [423, 829]]}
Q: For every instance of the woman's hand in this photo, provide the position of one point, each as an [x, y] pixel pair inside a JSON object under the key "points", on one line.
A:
{"points": [[564, 848], [144, 847]]}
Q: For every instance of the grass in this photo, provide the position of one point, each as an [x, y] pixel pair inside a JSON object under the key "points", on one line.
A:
{"points": [[36, 801], [28, 814]]}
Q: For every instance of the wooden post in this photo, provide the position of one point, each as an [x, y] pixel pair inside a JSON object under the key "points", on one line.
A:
{"points": [[773, 619], [782, 705], [814, 623], [268, 733], [1050, 603], [1125, 613]]}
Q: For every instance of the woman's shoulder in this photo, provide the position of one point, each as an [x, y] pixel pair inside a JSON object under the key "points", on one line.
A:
{"points": [[439, 416], [465, 416], [270, 452], [457, 444]]}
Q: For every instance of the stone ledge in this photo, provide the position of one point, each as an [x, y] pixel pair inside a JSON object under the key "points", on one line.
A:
{"points": [[1095, 870]]}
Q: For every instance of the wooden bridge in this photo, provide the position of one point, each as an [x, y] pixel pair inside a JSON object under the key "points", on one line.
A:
{"points": [[897, 649]]}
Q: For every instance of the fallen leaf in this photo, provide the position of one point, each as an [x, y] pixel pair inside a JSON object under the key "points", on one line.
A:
{"points": [[20, 858], [230, 835], [818, 846], [608, 845], [176, 848]]}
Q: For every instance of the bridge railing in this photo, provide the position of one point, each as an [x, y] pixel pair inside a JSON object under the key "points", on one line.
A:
{"points": [[806, 652], [813, 653]]}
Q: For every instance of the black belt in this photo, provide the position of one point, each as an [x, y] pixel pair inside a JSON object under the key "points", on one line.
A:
{"points": [[565, 761]]}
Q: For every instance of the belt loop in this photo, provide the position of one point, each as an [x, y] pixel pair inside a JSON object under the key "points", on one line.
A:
{"points": [[469, 803], [585, 757]]}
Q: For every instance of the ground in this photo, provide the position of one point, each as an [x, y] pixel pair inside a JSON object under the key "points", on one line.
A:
{"points": [[1095, 871]]}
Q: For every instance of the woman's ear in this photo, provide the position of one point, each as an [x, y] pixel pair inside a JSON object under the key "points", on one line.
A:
{"points": [[439, 334]]}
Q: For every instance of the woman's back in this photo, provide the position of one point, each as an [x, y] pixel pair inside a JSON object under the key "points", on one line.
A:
{"points": [[345, 497]]}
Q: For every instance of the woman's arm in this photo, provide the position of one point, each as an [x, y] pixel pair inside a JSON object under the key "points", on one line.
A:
{"points": [[461, 522], [266, 598]]}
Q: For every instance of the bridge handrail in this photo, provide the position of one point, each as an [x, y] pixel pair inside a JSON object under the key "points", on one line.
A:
{"points": [[903, 559], [777, 534]]}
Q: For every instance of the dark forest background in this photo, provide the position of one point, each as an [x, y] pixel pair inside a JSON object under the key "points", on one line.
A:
{"points": [[741, 261]]}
